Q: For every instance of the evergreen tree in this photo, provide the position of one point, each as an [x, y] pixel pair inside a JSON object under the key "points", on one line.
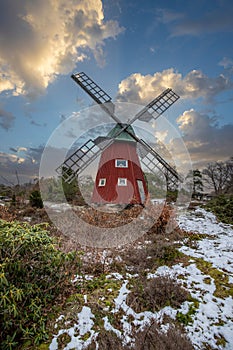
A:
{"points": [[35, 199], [197, 184], [71, 190]]}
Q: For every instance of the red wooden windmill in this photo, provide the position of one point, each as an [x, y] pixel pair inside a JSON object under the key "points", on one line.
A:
{"points": [[119, 179]]}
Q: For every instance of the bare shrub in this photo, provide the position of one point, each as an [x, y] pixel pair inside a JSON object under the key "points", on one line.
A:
{"points": [[137, 259], [152, 338], [167, 216], [151, 256], [107, 341], [156, 293]]}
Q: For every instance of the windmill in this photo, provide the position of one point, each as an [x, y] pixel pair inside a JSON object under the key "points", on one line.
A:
{"points": [[120, 178]]}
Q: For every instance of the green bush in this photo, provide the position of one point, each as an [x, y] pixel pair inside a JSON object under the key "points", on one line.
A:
{"points": [[33, 273], [222, 207]]}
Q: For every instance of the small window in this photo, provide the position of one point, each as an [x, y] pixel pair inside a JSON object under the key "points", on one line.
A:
{"points": [[122, 182], [102, 182], [121, 163]]}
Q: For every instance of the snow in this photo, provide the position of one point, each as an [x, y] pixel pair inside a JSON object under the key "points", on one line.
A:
{"points": [[212, 318], [79, 278], [83, 326], [115, 275], [57, 207], [83, 316]]}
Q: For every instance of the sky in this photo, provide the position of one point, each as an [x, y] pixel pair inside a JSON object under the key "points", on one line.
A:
{"points": [[134, 50]]}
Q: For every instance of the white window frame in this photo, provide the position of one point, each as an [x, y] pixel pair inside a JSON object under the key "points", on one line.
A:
{"points": [[120, 182], [121, 166], [102, 182]]}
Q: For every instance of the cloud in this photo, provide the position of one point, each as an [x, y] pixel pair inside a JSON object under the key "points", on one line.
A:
{"points": [[12, 158], [10, 163], [216, 19], [27, 162], [43, 38], [144, 88], [209, 24], [33, 122], [226, 62], [6, 119], [205, 139], [13, 149], [18, 149], [168, 16]]}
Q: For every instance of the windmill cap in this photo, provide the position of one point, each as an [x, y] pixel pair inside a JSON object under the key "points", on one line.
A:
{"points": [[124, 135]]}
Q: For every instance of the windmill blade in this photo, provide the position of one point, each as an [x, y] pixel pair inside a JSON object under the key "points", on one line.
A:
{"points": [[95, 91], [157, 107], [102, 141], [81, 158], [152, 160], [153, 110]]}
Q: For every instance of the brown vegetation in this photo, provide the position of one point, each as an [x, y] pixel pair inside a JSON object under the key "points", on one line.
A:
{"points": [[156, 293]]}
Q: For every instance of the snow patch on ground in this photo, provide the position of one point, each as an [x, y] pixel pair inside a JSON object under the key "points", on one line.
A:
{"points": [[218, 250], [82, 327]]}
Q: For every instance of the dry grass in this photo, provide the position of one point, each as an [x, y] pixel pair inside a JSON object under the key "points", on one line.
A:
{"points": [[99, 218], [22, 213], [6, 214], [106, 219]]}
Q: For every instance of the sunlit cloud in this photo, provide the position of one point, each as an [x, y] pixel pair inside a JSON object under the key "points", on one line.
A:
{"points": [[143, 88], [24, 160], [42, 39], [12, 158], [161, 135]]}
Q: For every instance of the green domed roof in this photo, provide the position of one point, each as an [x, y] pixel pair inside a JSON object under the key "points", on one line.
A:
{"points": [[123, 136]]}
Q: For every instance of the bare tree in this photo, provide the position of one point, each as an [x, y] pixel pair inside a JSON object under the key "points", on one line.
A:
{"points": [[229, 186], [219, 176]]}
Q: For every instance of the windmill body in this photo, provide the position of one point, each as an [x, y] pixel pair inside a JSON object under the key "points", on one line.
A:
{"points": [[120, 179]]}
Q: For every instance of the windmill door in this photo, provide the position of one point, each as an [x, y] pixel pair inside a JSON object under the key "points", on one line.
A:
{"points": [[141, 191]]}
